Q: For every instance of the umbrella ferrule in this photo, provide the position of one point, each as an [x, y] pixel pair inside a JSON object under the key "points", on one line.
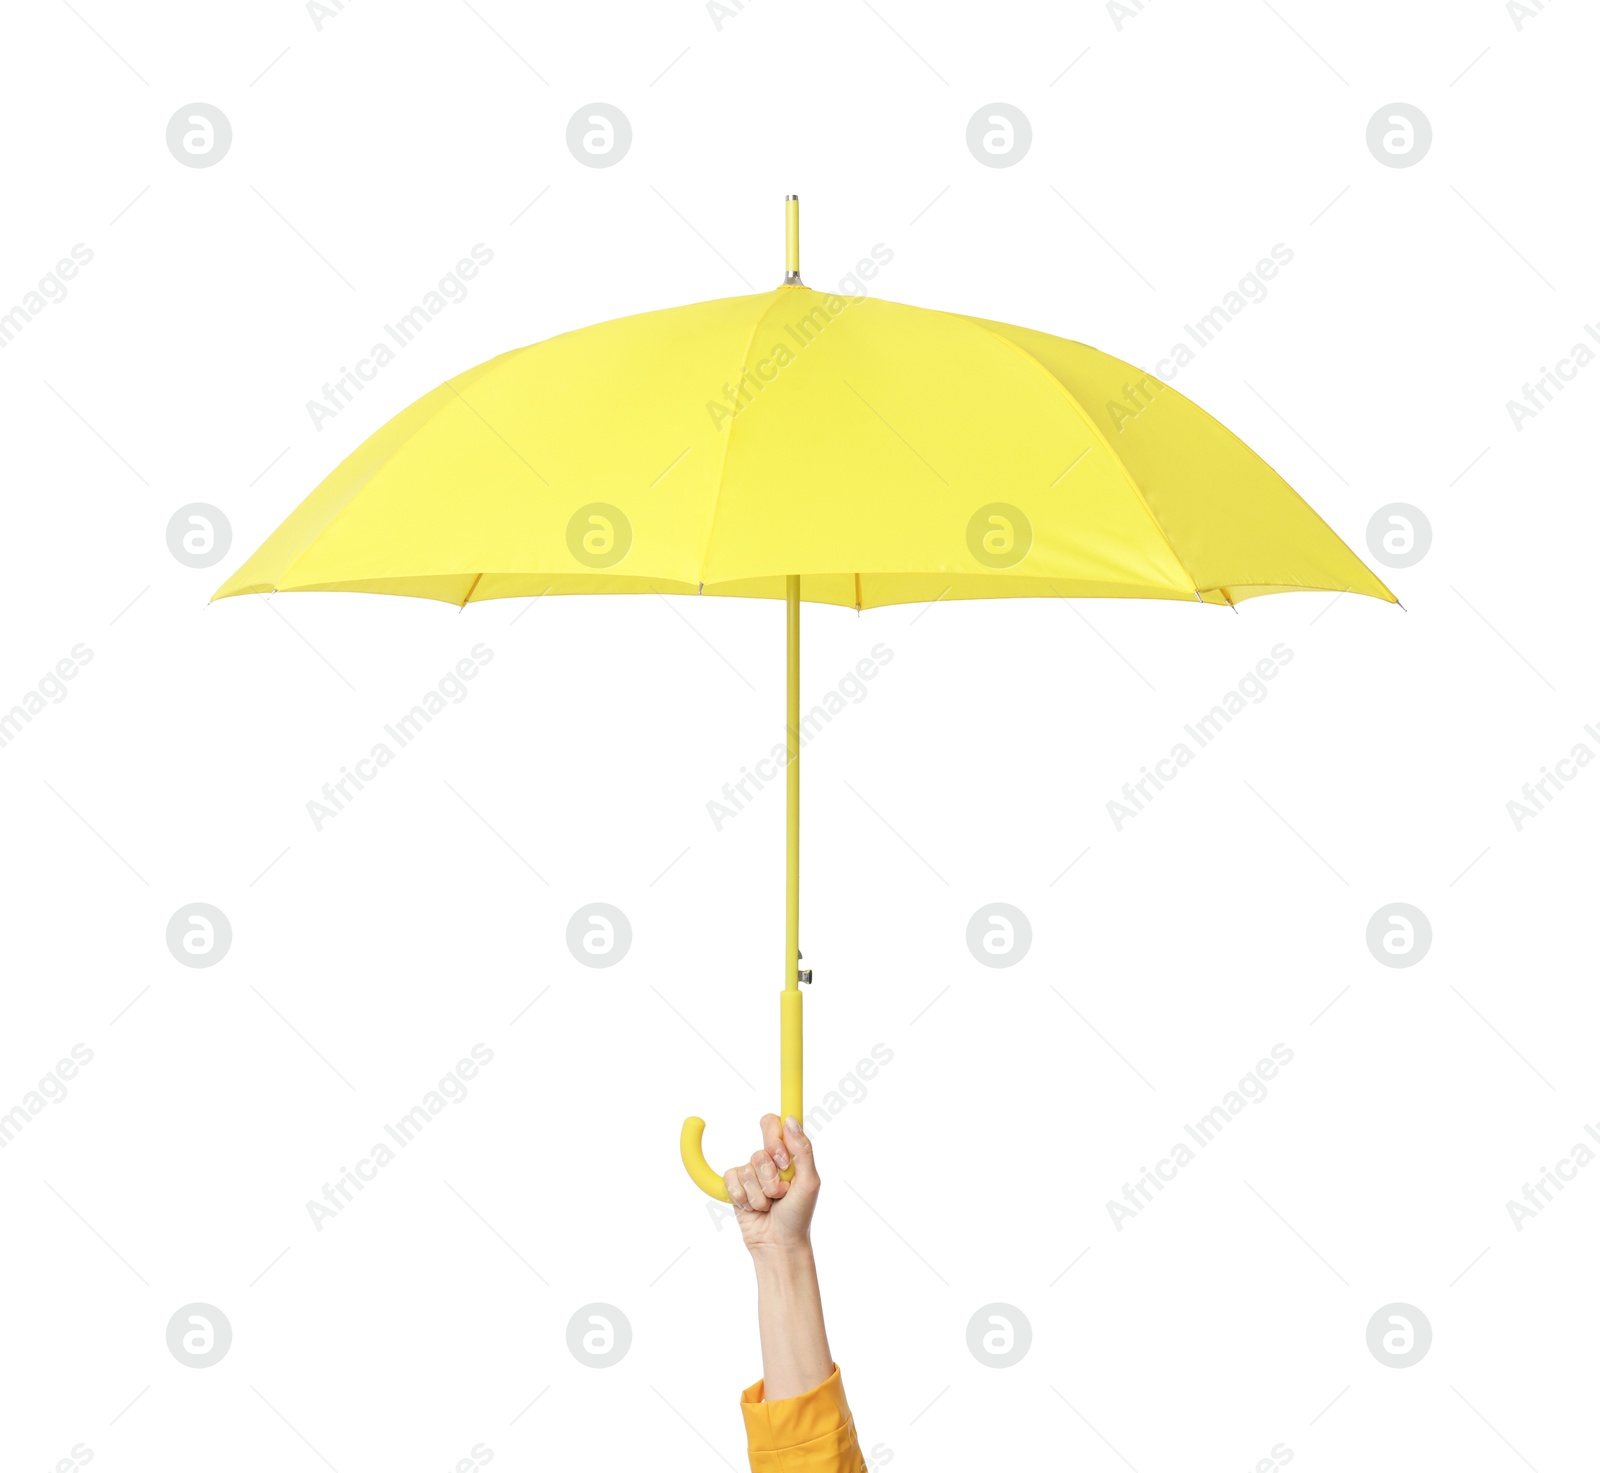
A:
{"points": [[791, 221]]}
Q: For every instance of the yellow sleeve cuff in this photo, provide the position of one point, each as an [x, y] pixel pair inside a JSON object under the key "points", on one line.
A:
{"points": [[810, 1433]]}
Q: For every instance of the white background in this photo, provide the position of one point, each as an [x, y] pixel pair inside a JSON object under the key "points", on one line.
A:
{"points": [[1230, 1316]]}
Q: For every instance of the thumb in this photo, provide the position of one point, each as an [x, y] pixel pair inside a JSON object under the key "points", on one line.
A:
{"points": [[805, 1167]]}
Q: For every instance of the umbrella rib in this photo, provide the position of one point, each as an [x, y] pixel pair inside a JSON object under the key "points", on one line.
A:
{"points": [[722, 462], [359, 491], [1092, 428], [1317, 516], [1312, 511]]}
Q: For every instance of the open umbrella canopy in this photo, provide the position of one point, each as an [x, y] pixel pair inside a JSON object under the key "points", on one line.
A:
{"points": [[884, 453]]}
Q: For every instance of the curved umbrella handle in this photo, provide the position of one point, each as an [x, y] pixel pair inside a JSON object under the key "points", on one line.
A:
{"points": [[695, 1163], [792, 1054]]}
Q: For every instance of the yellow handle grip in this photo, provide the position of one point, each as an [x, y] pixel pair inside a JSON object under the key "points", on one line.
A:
{"points": [[692, 1136], [792, 1049], [695, 1163]]}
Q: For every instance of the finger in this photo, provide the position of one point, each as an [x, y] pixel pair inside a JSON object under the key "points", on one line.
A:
{"points": [[754, 1196], [772, 1141], [730, 1179], [767, 1174], [805, 1168]]}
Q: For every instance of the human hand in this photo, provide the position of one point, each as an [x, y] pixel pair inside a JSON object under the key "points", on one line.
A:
{"points": [[774, 1214]]}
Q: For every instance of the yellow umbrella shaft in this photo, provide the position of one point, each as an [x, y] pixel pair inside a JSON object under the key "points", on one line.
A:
{"points": [[792, 1046]]}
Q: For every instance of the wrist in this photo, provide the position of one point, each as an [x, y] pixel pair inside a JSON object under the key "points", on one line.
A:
{"points": [[784, 1262]]}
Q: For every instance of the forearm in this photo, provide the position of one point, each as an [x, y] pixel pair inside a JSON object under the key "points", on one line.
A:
{"points": [[794, 1340]]}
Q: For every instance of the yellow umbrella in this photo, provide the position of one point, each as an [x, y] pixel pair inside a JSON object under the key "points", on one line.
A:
{"points": [[810, 446]]}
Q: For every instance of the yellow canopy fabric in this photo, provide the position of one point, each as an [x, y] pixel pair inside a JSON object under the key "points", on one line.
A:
{"points": [[884, 453]]}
